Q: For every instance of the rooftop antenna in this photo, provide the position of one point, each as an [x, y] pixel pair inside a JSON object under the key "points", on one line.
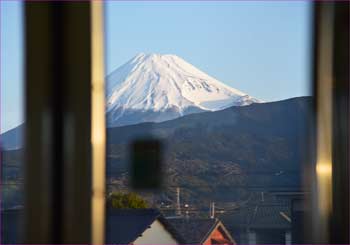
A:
{"points": [[178, 205]]}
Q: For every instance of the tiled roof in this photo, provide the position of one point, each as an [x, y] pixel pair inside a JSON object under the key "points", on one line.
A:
{"points": [[271, 216], [126, 225], [194, 230], [260, 216], [11, 221]]}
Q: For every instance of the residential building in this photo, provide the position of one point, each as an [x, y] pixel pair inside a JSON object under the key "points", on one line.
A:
{"points": [[139, 226], [201, 230]]}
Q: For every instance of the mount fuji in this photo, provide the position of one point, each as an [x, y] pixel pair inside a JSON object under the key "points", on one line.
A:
{"points": [[156, 88]]}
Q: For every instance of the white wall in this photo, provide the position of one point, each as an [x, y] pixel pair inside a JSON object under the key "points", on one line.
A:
{"points": [[251, 237], [156, 234], [288, 236]]}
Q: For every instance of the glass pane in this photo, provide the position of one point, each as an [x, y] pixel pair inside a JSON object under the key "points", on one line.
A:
{"points": [[11, 119], [217, 94]]}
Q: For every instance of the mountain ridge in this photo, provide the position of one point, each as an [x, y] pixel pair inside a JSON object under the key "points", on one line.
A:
{"points": [[230, 154], [13, 138]]}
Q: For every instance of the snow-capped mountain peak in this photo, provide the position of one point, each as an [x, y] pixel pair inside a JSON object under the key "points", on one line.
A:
{"points": [[154, 87]]}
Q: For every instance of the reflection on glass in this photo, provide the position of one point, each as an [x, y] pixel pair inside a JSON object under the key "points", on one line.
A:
{"points": [[232, 161]]}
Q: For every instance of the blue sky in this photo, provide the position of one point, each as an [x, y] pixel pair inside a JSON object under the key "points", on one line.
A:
{"points": [[11, 70], [261, 48]]}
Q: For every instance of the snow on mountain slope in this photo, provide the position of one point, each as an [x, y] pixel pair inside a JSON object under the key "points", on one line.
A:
{"points": [[155, 88]]}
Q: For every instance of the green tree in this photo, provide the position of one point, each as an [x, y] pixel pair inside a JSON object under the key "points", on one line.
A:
{"points": [[127, 200]]}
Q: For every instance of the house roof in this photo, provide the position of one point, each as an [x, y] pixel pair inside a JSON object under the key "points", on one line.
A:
{"points": [[271, 216], [261, 216], [11, 220], [196, 230], [125, 225]]}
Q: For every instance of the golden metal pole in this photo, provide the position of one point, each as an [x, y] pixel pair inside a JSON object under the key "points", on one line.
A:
{"points": [[98, 132], [324, 91]]}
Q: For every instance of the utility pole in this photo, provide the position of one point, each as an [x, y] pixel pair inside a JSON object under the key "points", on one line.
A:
{"points": [[212, 210], [186, 211], [178, 205]]}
